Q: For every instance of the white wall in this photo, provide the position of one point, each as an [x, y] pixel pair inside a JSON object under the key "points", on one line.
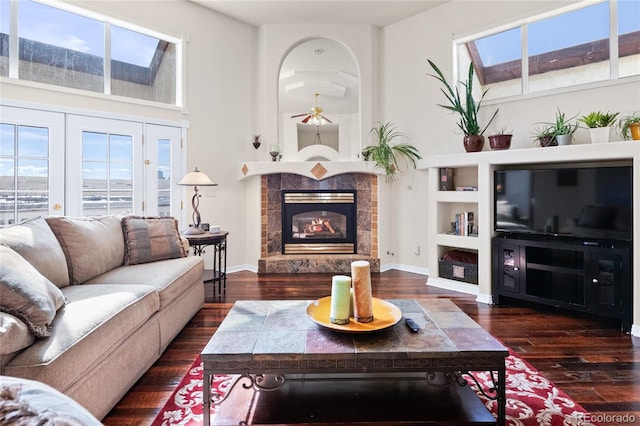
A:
{"points": [[408, 97], [232, 94], [220, 107]]}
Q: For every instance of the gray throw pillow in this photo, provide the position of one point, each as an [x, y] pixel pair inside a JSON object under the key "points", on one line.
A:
{"points": [[149, 239], [26, 294]]}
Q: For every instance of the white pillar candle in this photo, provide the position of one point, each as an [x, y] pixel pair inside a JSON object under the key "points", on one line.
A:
{"points": [[340, 299], [362, 300]]}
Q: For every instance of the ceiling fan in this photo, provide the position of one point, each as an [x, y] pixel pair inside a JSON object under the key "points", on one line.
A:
{"points": [[314, 116]]}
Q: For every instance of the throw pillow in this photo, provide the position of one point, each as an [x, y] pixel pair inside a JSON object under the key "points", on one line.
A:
{"points": [[149, 239], [34, 240], [27, 294], [91, 245], [14, 335]]}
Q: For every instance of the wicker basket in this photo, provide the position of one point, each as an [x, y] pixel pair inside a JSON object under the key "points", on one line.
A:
{"points": [[459, 271]]}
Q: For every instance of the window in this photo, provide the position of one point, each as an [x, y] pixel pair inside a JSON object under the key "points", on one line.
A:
{"points": [[67, 48], [107, 173], [569, 48], [29, 185]]}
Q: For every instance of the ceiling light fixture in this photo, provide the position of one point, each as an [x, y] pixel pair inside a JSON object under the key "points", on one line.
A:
{"points": [[314, 116]]}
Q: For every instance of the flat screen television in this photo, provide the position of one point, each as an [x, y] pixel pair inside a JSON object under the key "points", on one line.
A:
{"points": [[590, 202]]}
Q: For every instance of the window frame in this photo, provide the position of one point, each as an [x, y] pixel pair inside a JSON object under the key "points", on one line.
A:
{"points": [[108, 21], [519, 69]]}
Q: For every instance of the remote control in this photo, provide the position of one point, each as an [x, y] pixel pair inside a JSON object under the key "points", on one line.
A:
{"points": [[412, 324]]}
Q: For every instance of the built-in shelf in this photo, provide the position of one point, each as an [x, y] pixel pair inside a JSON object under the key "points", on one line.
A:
{"points": [[476, 169], [469, 243], [457, 196]]}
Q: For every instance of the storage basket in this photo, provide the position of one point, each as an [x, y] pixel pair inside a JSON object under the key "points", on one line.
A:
{"points": [[459, 271]]}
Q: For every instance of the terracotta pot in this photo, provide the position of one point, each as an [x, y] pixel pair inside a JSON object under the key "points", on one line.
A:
{"points": [[500, 141], [548, 141], [473, 143], [635, 132]]}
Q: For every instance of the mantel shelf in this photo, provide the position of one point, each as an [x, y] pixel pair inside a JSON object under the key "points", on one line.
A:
{"points": [[313, 169]]}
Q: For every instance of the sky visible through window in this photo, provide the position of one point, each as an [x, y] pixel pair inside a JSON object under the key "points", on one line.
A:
{"points": [[569, 29], [60, 28]]}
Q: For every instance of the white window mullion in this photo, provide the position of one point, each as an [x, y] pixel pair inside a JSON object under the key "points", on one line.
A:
{"points": [[614, 46], [524, 31], [14, 42], [107, 58]]}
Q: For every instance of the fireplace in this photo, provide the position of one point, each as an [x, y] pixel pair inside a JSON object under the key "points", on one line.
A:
{"points": [[319, 222], [364, 186]]}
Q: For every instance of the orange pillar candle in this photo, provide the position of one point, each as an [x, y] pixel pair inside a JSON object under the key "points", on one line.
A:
{"points": [[340, 300], [362, 301]]}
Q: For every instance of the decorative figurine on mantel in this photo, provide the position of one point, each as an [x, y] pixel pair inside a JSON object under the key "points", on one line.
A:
{"points": [[256, 141]]}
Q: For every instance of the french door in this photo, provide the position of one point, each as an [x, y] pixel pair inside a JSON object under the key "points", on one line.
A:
{"points": [[31, 164]]}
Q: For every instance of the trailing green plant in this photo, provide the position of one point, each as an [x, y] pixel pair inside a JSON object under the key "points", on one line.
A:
{"points": [[545, 132], [386, 154], [467, 108], [599, 119], [562, 125], [625, 123]]}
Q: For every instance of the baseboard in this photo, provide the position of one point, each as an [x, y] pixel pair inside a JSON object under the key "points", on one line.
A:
{"points": [[453, 285], [404, 268]]}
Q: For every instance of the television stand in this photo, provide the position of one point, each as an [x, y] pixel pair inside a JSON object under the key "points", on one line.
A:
{"points": [[592, 278]]}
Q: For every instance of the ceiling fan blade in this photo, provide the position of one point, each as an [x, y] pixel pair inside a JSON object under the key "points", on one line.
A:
{"points": [[326, 119], [299, 115], [306, 119]]}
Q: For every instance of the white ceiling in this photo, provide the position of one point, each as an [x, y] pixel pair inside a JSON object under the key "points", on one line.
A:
{"points": [[375, 12]]}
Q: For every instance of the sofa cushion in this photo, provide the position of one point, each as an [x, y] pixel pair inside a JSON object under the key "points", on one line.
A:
{"points": [[34, 240], [27, 294], [169, 277], [149, 239], [14, 337], [27, 402], [97, 319], [91, 245]]}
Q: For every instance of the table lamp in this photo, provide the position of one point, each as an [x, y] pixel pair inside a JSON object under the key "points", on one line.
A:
{"points": [[196, 178]]}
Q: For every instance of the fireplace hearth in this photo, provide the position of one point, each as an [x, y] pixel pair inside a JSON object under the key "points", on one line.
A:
{"points": [[319, 222]]}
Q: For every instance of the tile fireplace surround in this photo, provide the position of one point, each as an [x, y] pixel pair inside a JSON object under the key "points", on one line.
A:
{"points": [[273, 261]]}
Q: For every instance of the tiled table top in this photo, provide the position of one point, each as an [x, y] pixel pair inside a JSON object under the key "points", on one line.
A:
{"points": [[267, 336]]}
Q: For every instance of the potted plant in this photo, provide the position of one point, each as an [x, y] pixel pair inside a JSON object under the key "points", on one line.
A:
{"points": [[599, 124], [544, 135], [629, 126], [562, 128], [466, 107], [501, 139], [386, 154]]}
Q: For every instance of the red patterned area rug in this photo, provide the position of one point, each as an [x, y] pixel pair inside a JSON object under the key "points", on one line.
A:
{"points": [[532, 400]]}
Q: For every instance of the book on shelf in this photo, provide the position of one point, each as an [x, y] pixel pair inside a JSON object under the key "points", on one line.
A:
{"points": [[464, 224], [466, 188], [446, 179]]}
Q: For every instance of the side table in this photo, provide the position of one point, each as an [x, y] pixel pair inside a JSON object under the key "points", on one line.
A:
{"points": [[217, 240]]}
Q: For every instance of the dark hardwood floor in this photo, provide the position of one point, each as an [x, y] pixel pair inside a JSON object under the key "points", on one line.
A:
{"points": [[585, 356]]}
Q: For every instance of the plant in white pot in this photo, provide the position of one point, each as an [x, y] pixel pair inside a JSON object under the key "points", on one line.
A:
{"points": [[600, 124], [467, 108], [386, 153]]}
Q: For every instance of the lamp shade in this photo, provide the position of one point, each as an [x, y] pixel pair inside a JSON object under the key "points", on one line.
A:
{"points": [[196, 178]]}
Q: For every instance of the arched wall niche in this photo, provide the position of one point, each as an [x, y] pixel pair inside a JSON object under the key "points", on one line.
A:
{"points": [[319, 72]]}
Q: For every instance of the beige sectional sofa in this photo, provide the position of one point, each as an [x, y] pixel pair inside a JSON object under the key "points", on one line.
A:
{"points": [[128, 287]]}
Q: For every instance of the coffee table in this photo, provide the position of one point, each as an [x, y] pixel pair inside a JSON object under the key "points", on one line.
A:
{"points": [[268, 342]]}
